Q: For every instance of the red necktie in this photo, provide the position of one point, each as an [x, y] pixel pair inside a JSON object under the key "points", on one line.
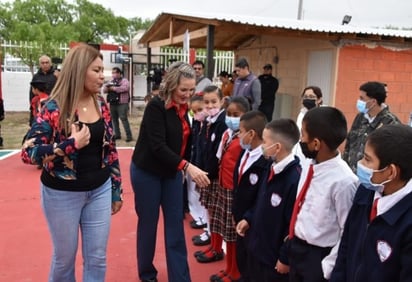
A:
{"points": [[374, 210], [299, 202], [271, 174], [243, 166]]}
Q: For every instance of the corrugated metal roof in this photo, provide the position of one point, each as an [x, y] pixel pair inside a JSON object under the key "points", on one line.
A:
{"points": [[303, 25]]}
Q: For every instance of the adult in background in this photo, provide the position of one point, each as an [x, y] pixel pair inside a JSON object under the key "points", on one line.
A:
{"points": [[270, 85], [119, 105], [46, 74], [201, 80], [247, 84], [373, 113], [156, 171], [72, 137], [227, 84]]}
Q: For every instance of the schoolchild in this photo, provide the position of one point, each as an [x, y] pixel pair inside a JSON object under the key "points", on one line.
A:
{"points": [[247, 177], [325, 195], [376, 243], [221, 224], [268, 224], [209, 140], [38, 89], [196, 117]]}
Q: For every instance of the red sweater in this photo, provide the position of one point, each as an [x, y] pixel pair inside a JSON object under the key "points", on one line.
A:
{"points": [[230, 155]]}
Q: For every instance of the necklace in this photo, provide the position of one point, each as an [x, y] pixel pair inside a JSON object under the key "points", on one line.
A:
{"points": [[84, 106]]}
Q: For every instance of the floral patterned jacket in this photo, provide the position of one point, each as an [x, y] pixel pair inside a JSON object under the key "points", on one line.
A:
{"points": [[47, 144]]}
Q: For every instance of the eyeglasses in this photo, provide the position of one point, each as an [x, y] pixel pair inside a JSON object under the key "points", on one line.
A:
{"points": [[43, 63], [197, 68]]}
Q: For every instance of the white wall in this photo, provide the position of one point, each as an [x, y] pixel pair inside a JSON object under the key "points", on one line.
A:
{"points": [[15, 89]]}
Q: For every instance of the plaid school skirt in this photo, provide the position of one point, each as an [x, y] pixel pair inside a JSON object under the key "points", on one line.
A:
{"points": [[208, 195], [221, 220]]}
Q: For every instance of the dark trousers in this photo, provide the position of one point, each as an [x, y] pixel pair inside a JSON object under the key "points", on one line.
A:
{"points": [[241, 258], [150, 193], [267, 109], [121, 112], [260, 272], [305, 261]]}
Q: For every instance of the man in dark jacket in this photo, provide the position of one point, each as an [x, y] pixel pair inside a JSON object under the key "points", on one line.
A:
{"points": [[270, 85], [44, 74]]}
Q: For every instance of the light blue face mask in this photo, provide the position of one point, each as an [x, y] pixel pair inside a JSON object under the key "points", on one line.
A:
{"points": [[266, 156], [244, 146], [232, 122], [365, 177], [361, 106]]}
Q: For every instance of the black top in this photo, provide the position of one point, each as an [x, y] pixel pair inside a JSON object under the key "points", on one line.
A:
{"points": [[90, 174], [270, 85], [160, 140]]}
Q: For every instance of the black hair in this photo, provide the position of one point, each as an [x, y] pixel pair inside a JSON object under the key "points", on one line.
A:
{"points": [[287, 130], [211, 89], [315, 89], [197, 62], [375, 90], [327, 124], [242, 63], [195, 98], [116, 69], [392, 145], [241, 102], [254, 120]]}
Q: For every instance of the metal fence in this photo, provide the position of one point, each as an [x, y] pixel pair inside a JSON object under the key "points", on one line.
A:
{"points": [[19, 54]]}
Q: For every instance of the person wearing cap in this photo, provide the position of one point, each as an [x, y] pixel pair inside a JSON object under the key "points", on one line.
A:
{"points": [[373, 114], [247, 84], [269, 87], [227, 84]]}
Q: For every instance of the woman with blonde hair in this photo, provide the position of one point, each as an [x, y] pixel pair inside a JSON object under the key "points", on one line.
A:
{"points": [[157, 167], [72, 138]]}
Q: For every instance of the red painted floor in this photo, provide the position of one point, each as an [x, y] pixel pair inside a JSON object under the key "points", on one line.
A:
{"points": [[25, 247]]}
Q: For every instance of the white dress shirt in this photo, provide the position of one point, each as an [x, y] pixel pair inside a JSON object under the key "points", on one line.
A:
{"points": [[254, 155], [385, 203], [328, 200]]}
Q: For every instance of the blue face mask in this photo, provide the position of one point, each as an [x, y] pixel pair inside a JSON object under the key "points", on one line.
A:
{"points": [[233, 122], [361, 106], [244, 146], [365, 177]]}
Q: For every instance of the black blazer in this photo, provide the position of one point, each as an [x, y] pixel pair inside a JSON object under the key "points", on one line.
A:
{"points": [[160, 139], [245, 191]]}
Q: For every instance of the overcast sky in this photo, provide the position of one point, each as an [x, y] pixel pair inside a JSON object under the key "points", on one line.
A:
{"points": [[371, 13]]}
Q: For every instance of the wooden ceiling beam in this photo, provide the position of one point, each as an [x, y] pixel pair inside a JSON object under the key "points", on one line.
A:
{"points": [[174, 40]]}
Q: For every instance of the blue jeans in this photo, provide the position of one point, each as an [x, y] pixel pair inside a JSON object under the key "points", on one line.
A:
{"points": [[65, 213], [150, 193]]}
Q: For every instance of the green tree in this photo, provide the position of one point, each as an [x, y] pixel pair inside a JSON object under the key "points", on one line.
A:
{"points": [[47, 23]]}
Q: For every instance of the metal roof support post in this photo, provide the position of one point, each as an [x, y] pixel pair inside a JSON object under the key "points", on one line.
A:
{"points": [[209, 51], [149, 67]]}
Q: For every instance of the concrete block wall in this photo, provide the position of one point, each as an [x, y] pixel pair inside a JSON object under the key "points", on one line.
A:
{"points": [[359, 64]]}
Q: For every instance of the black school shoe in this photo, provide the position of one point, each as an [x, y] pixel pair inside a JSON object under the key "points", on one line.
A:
{"points": [[201, 240], [150, 280], [194, 225], [202, 258]]}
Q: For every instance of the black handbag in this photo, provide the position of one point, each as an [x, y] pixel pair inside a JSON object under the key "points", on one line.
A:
{"points": [[113, 98]]}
